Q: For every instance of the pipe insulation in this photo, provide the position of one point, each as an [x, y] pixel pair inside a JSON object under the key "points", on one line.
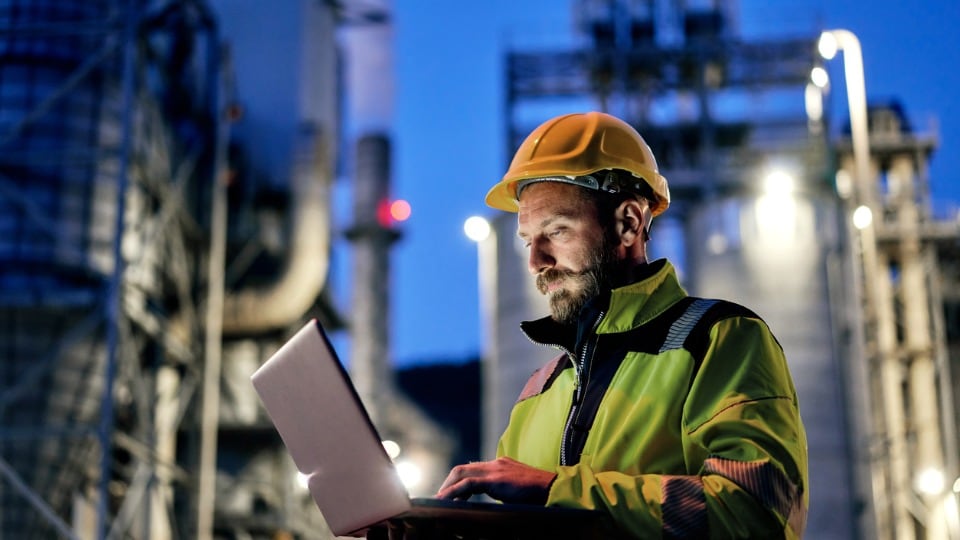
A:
{"points": [[304, 272]]}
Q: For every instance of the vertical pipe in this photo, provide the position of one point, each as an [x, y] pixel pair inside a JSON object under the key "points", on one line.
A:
{"points": [[113, 304], [165, 446], [948, 419], [213, 335], [894, 403], [877, 286], [917, 339], [857, 104], [493, 394], [859, 418]]}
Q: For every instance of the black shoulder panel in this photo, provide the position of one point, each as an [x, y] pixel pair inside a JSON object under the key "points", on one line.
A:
{"points": [[698, 339]]}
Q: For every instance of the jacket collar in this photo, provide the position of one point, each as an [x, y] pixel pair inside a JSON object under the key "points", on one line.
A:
{"points": [[628, 307], [638, 303]]}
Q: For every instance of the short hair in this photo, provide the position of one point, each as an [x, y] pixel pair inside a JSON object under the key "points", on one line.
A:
{"points": [[607, 202]]}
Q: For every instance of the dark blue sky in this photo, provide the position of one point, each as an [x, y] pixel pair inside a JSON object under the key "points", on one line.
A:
{"points": [[448, 125]]}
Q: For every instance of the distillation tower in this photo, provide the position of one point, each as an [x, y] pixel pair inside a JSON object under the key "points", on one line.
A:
{"points": [[904, 273]]}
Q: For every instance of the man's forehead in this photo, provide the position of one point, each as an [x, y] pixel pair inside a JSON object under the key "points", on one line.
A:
{"points": [[551, 200], [552, 193]]}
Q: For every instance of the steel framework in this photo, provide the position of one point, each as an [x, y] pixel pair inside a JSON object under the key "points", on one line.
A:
{"points": [[108, 136]]}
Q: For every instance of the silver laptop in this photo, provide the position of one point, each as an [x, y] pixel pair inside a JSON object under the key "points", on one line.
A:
{"points": [[328, 433]]}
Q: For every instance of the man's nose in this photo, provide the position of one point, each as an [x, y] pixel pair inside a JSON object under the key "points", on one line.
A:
{"points": [[539, 259]]}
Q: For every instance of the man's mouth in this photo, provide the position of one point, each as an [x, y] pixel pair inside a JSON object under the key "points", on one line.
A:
{"points": [[550, 286]]}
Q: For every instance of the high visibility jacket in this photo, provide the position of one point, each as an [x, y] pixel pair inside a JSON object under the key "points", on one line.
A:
{"points": [[676, 416]]}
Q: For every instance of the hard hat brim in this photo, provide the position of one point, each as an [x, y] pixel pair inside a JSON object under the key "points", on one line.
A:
{"points": [[502, 196]]}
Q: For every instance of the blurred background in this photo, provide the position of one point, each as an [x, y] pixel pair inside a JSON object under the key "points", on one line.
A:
{"points": [[184, 183]]}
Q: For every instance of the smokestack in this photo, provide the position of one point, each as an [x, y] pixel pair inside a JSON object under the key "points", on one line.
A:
{"points": [[372, 237], [368, 38]]}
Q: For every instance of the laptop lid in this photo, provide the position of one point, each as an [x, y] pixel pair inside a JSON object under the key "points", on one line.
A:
{"points": [[328, 433]]}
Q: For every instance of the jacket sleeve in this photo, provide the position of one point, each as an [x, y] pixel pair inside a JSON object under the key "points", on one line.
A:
{"points": [[744, 449]]}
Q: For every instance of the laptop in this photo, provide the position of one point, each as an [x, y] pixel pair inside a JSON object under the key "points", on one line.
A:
{"points": [[316, 410]]}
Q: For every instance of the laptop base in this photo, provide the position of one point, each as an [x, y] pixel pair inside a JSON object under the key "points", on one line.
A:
{"points": [[432, 519]]}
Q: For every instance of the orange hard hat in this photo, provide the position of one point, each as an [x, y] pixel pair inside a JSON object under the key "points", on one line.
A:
{"points": [[572, 147]]}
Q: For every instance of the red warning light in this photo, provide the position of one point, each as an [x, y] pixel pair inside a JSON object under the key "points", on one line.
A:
{"points": [[400, 210], [390, 212]]}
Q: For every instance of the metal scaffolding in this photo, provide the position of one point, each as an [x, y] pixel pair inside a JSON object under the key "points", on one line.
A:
{"points": [[107, 136]]}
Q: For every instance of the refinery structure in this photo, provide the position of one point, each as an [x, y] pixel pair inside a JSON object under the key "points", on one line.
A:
{"points": [[166, 223]]}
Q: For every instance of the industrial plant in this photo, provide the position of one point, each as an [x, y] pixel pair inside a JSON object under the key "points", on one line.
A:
{"points": [[167, 171]]}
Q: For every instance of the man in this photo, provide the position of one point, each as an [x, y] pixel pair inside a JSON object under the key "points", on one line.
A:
{"points": [[675, 416]]}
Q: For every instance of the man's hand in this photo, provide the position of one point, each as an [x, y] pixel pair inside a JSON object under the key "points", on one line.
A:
{"points": [[503, 479]]}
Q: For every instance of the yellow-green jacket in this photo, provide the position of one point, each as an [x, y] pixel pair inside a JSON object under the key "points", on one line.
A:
{"points": [[684, 422]]}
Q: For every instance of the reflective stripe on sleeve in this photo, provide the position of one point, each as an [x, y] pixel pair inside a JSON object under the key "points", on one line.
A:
{"points": [[765, 482], [684, 507]]}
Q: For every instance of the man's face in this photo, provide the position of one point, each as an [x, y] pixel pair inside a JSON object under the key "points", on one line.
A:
{"points": [[567, 251]]}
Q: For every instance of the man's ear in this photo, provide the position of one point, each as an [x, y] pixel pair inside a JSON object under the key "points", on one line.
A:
{"points": [[633, 221]]}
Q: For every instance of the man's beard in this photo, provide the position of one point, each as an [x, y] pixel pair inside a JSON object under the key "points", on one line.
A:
{"points": [[577, 288]]}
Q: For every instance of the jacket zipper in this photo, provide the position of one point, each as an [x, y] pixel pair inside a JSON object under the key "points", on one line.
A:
{"points": [[582, 379]]}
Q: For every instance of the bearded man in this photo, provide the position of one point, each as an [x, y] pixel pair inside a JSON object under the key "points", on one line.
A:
{"points": [[673, 416]]}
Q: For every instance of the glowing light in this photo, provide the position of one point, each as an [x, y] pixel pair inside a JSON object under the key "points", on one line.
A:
{"points": [[717, 244], [410, 474], [844, 183], [862, 217], [400, 210], [392, 448], [776, 215], [303, 480], [930, 481], [813, 103], [776, 208], [778, 184], [819, 77], [390, 212], [828, 45], [476, 228]]}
